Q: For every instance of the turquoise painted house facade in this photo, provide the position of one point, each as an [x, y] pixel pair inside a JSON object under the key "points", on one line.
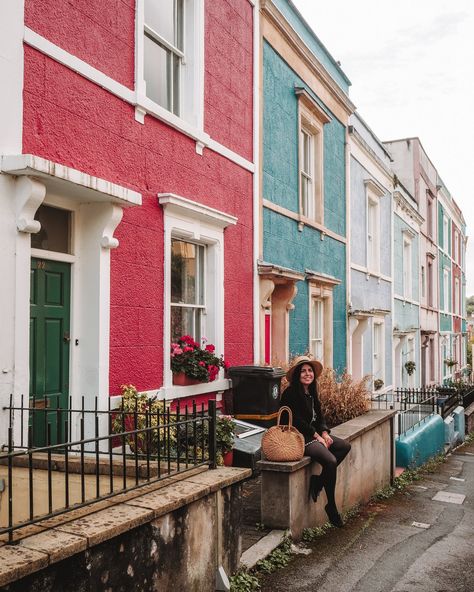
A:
{"points": [[303, 251]]}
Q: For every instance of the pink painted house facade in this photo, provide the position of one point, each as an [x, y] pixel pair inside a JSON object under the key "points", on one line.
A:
{"points": [[127, 182]]}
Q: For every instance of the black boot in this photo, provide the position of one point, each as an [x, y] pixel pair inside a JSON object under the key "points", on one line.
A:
{"points": [[334, 516], [315, 487]]}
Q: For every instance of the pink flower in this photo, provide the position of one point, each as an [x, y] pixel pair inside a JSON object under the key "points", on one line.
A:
{"points": [[226, 365], [202, 363], [188, 349], [177, 351]]}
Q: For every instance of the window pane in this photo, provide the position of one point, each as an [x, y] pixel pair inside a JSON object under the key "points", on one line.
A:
{"points": [[175, 83], [185, 321], [55, 230], [156, 69], [160, 16], [304, 195]]}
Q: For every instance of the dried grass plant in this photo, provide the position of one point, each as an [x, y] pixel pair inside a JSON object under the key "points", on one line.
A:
{"points": [[341, 399]]}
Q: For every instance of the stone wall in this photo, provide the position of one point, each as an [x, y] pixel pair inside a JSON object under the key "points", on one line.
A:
{"points": [[173, 538], [368, 468]]}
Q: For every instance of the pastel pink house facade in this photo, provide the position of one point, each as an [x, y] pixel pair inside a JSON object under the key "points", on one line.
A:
{"points": [[88, 139]]}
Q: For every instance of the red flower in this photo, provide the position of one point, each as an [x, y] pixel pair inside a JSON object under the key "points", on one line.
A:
{"points": [[188, 349], [210, 348]]}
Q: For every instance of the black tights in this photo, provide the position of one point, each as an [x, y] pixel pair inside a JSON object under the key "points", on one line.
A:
{"points": [[329, 459]]}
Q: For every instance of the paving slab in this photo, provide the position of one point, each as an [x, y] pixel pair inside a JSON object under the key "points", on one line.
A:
{"points": [[169, 499], [449, 497], [56, 543], [261, 549], [113, 521], [17, 562]]}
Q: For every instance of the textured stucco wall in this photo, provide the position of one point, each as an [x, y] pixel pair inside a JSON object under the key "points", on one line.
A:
{"points": [[283, 244], [280, 144], [359, 221], [405, 315], [72, 121]]}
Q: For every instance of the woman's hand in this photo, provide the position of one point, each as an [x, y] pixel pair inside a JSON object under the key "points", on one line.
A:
{"points": [[327, 439], [320, 439]]}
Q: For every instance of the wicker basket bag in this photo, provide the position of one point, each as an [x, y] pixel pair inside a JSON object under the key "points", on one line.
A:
{"points": [[283, 443]]}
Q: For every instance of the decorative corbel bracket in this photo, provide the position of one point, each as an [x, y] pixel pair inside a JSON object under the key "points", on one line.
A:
{"points": [[108, 240], [29, 195]]}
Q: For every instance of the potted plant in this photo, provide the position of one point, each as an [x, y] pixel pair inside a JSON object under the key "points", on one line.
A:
{"points": [[410, 367], [225, 436], [378, 384], [191, 363], [138, 411], [450, 362]]}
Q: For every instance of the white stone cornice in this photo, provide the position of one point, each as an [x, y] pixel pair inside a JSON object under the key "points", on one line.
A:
{"points": [[374, 187], [359, 142], [306, 55], [180, 206], [402, 204], [271, 270], [63, 180]]}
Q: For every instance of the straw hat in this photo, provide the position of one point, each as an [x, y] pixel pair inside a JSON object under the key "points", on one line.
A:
{"points": [[317, 366]]}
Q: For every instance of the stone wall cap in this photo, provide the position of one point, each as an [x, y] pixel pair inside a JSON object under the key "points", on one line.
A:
{"points": [[283, 467]]}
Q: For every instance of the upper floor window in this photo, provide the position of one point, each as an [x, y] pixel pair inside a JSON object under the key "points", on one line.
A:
{"points": [[429, 278], [373, 235], [445, 234], [429, 214], [445, 290], [407, 267], [170, 59], [457, 297], [311, 157], [163, 52]]}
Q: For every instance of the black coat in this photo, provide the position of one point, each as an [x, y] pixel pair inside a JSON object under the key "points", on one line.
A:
{"points": [[300, 405]]}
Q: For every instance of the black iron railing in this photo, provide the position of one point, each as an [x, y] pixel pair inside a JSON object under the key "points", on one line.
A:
{"points": [[80, 456]]}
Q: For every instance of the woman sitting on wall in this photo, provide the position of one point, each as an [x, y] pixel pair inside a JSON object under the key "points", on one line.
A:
{"points": [[329, 451]]}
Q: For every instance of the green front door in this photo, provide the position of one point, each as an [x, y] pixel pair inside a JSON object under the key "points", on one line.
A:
{"points": [[49, 348]]}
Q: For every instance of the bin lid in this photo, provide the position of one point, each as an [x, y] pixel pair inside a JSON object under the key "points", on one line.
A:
{"points": [[260, 371]]}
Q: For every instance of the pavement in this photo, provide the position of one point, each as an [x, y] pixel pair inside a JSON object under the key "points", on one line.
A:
{"points": [[420, 540]]}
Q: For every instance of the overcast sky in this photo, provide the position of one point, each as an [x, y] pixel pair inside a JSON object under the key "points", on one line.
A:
{"points": [[411, 64]]}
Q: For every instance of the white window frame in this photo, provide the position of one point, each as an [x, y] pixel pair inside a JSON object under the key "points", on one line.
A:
{"points": [[457, 298], [445, 290], [311, 121], [202, 307], [322, 291], [191, 116], [378, 348], [407, 268], [373, 234], [411, 358], [445, 233], [194, 222], [423, 281], [316, 344]]}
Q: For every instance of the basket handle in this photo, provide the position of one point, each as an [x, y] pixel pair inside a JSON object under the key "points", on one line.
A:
{"points": [[290, 416]]}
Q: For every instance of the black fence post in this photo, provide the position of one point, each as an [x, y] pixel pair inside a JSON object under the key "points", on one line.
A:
{"points": [[212, 434]]}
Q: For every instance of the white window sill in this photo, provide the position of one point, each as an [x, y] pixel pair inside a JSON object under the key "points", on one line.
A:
{"points": [[179, 392]]}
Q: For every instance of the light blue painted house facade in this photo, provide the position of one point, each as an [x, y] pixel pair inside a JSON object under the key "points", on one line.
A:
{"points": [[302, 264], [370, 274], [407, 223]]}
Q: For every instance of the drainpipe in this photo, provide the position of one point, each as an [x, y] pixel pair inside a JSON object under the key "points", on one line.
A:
{"points": [[256, 178], [348, 252]]}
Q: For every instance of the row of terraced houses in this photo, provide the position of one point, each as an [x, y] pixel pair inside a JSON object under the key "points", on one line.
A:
{"points": [[198, 167]]}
